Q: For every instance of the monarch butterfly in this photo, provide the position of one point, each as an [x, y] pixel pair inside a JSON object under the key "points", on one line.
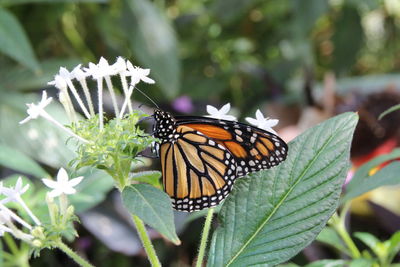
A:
{"points": [[202, 157]]}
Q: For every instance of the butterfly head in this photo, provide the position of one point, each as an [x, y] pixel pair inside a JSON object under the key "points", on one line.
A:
{"points": [[165, 126]]}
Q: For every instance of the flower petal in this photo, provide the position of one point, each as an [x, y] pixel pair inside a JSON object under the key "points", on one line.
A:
{"points": [[259, 115], [55, 193], [75, 181], [225, 108], [62, 175], [69, 190], [211, 110], [252, 121], [50, 183]]}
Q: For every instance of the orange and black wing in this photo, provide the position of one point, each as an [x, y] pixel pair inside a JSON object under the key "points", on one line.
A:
{"points": [[197, 171], [253, 149]]}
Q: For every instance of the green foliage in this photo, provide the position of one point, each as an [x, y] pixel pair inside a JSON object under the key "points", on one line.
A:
{"points": [[150, 177], [114, 148], [384, 251], [362, 182], [16, 160], [330, 237], [273, 214], [14, 42], [153, 40], [153, 206], [390, 110]]}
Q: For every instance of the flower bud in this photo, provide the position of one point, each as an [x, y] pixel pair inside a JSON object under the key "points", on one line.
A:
{"points": [[38, 232], [37, 243]]}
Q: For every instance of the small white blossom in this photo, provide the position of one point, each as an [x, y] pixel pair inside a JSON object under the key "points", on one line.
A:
{"points": [[120, 65], [59, 82], [138, 74], [63, 185], [78, 73], [100, 70], [263, 123], [220, 114], [13, 193], [36, 110]]}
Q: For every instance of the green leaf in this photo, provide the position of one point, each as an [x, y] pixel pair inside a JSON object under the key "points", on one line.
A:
{"points": [[329, 236], [20, 78], [271, 215], [347, 39], [14, 42], [152, 206], [13, 159], [305, 16], [394, 246], [92, 190], [389, 110], [150, 177], [154, 43], [363, 171], [389, 175], [368, 239], [39, 139], [327, 263], [361, 263]]}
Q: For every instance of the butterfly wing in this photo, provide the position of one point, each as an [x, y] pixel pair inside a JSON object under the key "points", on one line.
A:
{"points": [[197, 172], [253, 149]]}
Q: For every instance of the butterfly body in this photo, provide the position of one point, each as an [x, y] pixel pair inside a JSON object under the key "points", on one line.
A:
{"points": [[202, 157]]}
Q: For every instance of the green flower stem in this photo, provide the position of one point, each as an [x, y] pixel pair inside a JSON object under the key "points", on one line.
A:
{"points": [[73, 255], [204, 238], [339, 225], [12, 246], [148, 246]]}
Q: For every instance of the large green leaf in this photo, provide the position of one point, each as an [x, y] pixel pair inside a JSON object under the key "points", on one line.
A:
{"points": [[19, 78], [154, 43], [13, 159], [14, 42], [389, 175], [273, 214], [152, 206], [347, 39]]}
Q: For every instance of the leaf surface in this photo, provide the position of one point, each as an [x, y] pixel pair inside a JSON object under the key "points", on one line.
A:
{"points": [[153, 207], [154, 43], [273, 214], [14, 42]]}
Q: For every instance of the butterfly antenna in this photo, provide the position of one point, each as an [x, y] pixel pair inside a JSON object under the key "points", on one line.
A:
{"points": [[147, 97]]}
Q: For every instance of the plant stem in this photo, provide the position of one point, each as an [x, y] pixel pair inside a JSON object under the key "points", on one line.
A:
{"points": [[204, 237], [148, 246], [73, 255], [339, 224]]}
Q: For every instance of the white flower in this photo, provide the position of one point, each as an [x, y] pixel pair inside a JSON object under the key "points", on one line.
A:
{"points": [[100, 70], [13, 193], [220, 114], [263, 123], [78, 73], [59, 82], [36, 110], [120, 65], [63, 185], [137, 74]]}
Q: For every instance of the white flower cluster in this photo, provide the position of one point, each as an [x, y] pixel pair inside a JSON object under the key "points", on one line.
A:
{"points": [[260, 121], [8, 218], [101, 72]]}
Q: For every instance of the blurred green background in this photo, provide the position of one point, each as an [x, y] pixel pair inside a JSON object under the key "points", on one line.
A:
{"points": [[280, 56]]}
